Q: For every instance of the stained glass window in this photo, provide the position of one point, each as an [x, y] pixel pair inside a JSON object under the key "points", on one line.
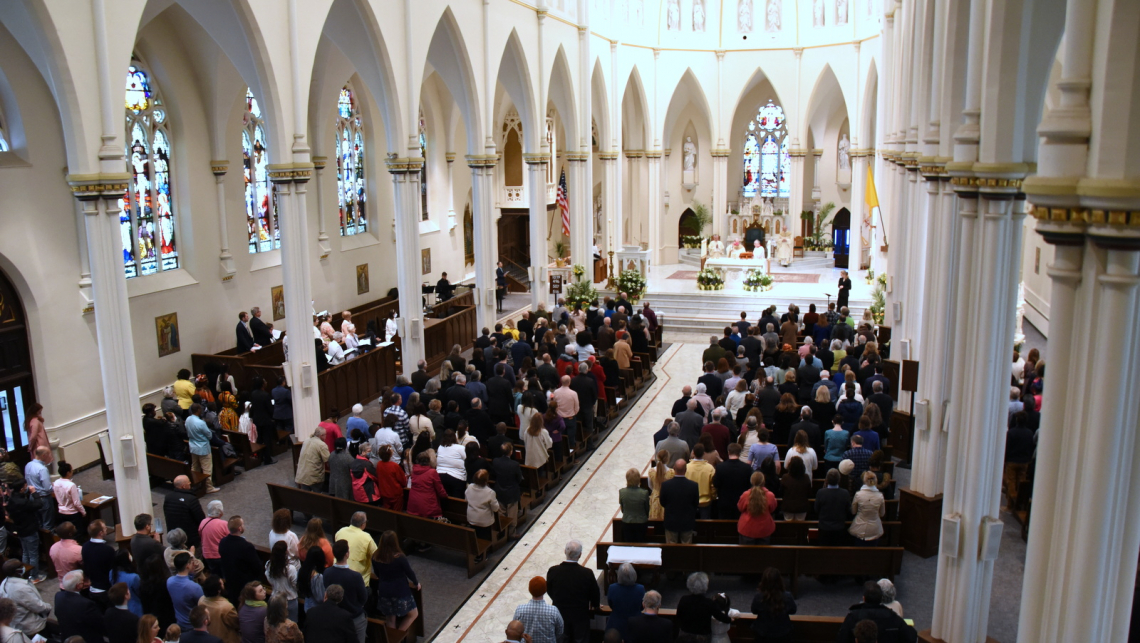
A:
{"points": [[3, 137], [146, 209], [351, 192], [260, 199], [423, 169], [767, 166]]}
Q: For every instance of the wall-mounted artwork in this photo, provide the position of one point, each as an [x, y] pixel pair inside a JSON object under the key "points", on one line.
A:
{"points": [[277, 296], [166, 327], [362, 279]]}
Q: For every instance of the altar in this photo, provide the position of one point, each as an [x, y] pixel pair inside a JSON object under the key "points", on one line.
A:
{"points": [[730, 264]]}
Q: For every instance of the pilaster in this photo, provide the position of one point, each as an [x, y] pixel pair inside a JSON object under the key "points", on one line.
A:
{"points": [[610, 203], [581, 202], [656, 205], [219, 169], [483, 218], [796, 204], [861, 244], [319, 163], [720, 191], [408, 212], [99, 195], [536, 192]]}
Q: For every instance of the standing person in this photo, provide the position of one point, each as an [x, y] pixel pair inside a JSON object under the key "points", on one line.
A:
{"points": [[37, 434], [542, 622], [634, 503], [773, 607], [212, 530], [500, 284], [244, 333], [251, 613], [183, 511], [78, 615], [240, 562], [261, 333], [145, 543], [98, 560], [149, 629], [624, 598], [832, 505], [201, 453], [394, 578], [311, 579], [224, 622], [261, 413], [120, 624], [30, 612], [340, 471], [360, 544], [281, 572], [355, 590], [679, 499], [869, 508], [732, 478], [695, 610], [649, 626], [26, 516], [796, 488], [327, 622], [38, 475], [574, 591], [508, 482], [280, 531], [311, 462], [282, 407], [889, 625], [536, 440], [184, 592], [155, 597], [124, 573], [844, 290], [755, 525], [481, 507]]}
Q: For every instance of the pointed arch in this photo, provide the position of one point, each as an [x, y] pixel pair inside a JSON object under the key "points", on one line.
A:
{"points": [[514, 76], [599, 107], [635, 105], [826, 95], [688, 91], [447, 56], [869, 111], [561, 94]]}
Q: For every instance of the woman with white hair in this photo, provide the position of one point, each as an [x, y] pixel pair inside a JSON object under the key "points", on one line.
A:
{"points": [[696, 610], [176, 540], [889, 600], [336, 350], [624, 598]]}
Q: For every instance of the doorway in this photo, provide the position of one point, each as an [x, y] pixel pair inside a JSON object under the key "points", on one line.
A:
{"points": [[17, 385], [687, 226], [841, 237]]}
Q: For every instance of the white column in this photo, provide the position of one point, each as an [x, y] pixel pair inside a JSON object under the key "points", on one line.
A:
{"points": [[631, 218], [978, 412], [408, 212], [536, 193], [656, 205], [719, 208], [796, 190], [99, 196], [816, 192], [226, 259], [483, 215], [581, 202], [450, 157], [319, 163], [301, 369], [860, 259], [610, 204]]}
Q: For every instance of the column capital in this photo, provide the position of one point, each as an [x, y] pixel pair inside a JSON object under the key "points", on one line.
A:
{"points": [[652, 154], [720, 152], [475, 161], [719, 54], [536, 159], [290, 172], [798, 51], [634, 154], [576, 157], [220, 167], [608, 156], [449, 157], [89, 187], [319, 162]]}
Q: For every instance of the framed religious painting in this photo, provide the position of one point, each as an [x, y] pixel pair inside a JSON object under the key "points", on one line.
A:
{"points": [[277, 296], [362, 279], [425, 260], [166, 328]]}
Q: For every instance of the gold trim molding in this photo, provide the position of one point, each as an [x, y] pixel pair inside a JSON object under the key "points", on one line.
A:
{"points": [[404, 165], [536, 159], [88, 187]]}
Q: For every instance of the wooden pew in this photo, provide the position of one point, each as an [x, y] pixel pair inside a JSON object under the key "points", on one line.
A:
{"points": [[248, 452], [167, 469], [441, 334], [892, 506], [223, 467], [805, 629], [792, 561], [724, 532], [339, 512]]}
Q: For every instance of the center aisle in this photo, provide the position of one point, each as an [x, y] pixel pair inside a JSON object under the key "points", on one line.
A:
{"points": [[584, 508]]}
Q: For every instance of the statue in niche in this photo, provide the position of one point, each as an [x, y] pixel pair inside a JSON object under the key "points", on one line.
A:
{"points": [[698, 15], [690, 154], [817, 13], [840, 12], [772, 16], [844, 153], [766, 208], [598, 221], [744, 16], [673, 14]]}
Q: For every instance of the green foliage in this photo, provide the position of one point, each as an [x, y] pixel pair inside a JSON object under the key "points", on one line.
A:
{"points": [[559, 249], [701, 212], [632, 283], [756, 280], [691, 241], [580, 292], [578, 271], [818, 240], [879, 299], [709, 279]]}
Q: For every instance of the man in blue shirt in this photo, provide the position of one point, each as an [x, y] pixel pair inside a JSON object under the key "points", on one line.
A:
{"points": [[859, 456], [184, 593], [199, 434], [39, 478], [355, 593]]}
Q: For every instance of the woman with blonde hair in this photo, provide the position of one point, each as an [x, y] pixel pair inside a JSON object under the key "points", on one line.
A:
{"points": [[659, 473], [822, 410], [634, 503], [536, 441], [869, 507], [755, 525]]}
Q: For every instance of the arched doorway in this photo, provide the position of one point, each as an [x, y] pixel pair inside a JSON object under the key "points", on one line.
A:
{"points": [[17, 385], [687, 226], [841, 237]]}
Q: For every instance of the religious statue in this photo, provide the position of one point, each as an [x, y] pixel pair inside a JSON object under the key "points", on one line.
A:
{"points": [[744, 16], [690, 154], [844, 153], [766, 208], [840, 12], [817, 13], [784, 247], [674, 16], [599, 222], [772, 16], [716, 247], [698, 15]]}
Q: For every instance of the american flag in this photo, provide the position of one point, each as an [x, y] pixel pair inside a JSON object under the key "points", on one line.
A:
{"points": [[563, 204]]}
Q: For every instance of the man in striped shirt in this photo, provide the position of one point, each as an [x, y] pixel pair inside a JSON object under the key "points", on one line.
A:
{"points": [[540, 620]]}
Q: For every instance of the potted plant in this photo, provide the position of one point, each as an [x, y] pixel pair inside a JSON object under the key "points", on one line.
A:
{"points": [[580, 292], [709, 279], [701, 213], [816, 224], [578, 272], [559, 253], [879, 299], [632, 283], [870, 277], [756, 280]]}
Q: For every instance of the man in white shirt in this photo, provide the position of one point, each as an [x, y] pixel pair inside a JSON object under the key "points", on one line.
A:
{"points": [[336, 352], [386, 436]]}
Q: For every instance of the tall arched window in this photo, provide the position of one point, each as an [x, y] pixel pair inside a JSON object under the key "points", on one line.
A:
{"points": [[146, 210], [423, 168], [260, 199], [3, 137], [767, 166], [350, 164]]}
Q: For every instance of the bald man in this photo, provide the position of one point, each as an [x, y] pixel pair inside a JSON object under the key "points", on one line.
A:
{"points": [[183, 510], [680, 498], [515, 633]]}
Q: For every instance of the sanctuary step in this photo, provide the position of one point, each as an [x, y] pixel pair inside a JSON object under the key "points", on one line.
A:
{"points": [[709, 312]]}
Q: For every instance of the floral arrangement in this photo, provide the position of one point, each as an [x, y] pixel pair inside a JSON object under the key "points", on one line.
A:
{"points": [[578, 271], [879, 299], [870, 277], [757, 281], [709, 279], [580, 292], [691, 240], [632, 283]]}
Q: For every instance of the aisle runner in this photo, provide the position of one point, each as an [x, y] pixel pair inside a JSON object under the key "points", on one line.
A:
{"points": [[777, 277], [572, 514]]}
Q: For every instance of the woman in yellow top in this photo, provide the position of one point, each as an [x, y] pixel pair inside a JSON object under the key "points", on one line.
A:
{"points": [[228, 416], [659, 473], [510, 330], [184, 389]]}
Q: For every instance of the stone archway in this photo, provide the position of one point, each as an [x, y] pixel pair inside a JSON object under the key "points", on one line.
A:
{"points": [[687, 226], [17, 383], [841, 237]]}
